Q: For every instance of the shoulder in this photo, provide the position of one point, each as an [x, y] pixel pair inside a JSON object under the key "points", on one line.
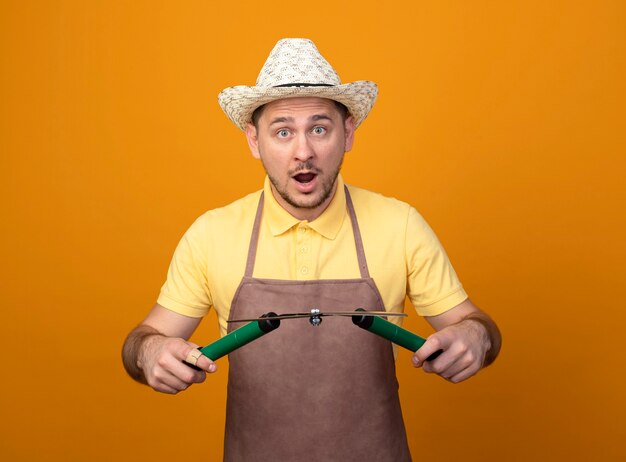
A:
{"points": [[226, 219], [240, 209], [369, 204], [388, 216]]}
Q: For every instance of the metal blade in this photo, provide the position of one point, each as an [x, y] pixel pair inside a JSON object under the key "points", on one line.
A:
{"points": [[361, 313], [280, 316], [322, 313]]}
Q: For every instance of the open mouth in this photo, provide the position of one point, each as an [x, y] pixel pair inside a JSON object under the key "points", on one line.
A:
{"points": [[304, 178]]}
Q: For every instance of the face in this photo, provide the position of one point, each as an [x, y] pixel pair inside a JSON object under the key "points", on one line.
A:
{"points": [[301, 142]]}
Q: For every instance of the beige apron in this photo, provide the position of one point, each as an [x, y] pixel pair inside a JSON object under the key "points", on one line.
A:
{"points": [[305, 393]]}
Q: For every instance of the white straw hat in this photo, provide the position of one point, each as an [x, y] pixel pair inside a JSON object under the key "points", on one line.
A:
{"points": [[295, 68]]}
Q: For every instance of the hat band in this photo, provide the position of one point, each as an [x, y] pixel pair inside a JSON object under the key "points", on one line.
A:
{"points": [[303, 85]]}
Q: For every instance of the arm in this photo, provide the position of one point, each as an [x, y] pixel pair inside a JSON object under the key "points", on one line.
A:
{"points": [[470, 340], [153, 352]]}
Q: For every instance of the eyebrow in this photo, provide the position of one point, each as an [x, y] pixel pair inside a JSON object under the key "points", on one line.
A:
{"points": [[317, 117], [280, 120], [314, 118]]}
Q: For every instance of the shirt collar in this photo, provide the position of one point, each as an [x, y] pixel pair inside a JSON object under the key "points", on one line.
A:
{"points": [[327, 224]]}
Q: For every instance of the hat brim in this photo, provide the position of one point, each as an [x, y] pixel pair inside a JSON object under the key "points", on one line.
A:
{"points": [[239, 102]]}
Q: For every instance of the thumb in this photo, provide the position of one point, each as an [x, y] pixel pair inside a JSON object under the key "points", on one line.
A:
{"points": [[432, 348], [205, 363]]}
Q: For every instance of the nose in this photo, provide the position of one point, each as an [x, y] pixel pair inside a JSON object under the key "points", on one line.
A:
{"points": [[303, 149]]}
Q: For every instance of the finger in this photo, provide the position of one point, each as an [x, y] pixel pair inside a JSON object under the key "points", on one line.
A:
{"points": [[453, 366], [185, 373], [456, 359], [172, 390], [163, 378], [191, 358], [196, 358], [465, 360], [161, 388], [433, 344], [173, 373], [465, 374], [440, 365], [462, 365], [206, 364]]}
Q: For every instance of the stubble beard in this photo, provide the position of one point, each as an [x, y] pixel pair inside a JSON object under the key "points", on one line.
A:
{"points": [[327, 186]]}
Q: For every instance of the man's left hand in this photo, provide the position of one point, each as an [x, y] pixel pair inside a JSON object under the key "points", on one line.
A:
{"points": [[470, 340], [465, 346]]}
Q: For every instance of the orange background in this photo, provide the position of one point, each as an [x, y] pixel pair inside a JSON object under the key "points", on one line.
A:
{"points": [[502, 122]]}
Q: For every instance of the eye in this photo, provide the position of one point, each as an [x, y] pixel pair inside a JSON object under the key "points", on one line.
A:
{"points": [[283, 133], [319, 130]]}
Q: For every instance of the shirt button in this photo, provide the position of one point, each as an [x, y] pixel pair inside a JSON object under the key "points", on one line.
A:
{"points": [[302, 230], [303, 250], [304, 270]]}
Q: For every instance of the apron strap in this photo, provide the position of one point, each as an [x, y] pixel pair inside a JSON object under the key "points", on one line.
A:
{"points": [[254, 239], [360, 252]]}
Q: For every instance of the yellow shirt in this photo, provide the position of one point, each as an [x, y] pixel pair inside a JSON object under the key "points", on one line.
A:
{"points": [[403, 254]]}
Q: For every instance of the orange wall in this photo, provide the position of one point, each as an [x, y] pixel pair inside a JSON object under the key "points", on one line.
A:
{"points": [[502, 122]]}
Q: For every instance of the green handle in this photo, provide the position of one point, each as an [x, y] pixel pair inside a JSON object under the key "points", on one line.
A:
{"points": [[238, 338], [390, 331]]}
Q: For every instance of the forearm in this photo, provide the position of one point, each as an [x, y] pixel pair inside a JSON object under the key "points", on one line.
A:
{"points": [[132, 350], [493, 336]]}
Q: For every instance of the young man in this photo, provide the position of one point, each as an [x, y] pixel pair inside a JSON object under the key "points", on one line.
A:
{"points": [[308, 241]]}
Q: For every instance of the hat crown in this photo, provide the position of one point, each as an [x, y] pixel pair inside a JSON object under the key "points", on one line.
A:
{"points": [[296, 61]]}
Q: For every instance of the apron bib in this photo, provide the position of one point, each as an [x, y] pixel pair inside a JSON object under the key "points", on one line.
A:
{"points": [[305, 393]]}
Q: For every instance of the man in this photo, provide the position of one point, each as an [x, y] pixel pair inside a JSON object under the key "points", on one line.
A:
{"points": [[308, 241]]}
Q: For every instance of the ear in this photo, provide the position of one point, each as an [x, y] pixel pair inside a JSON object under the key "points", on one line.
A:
{"points": [[349, 131], [253, 140]]}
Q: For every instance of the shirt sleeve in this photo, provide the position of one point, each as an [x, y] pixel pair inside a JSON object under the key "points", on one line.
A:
{"points": [[186, 290], [432, 284]]}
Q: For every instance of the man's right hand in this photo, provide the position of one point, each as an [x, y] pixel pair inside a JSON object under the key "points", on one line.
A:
{"points": [[154, 352], [161, 360]]}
